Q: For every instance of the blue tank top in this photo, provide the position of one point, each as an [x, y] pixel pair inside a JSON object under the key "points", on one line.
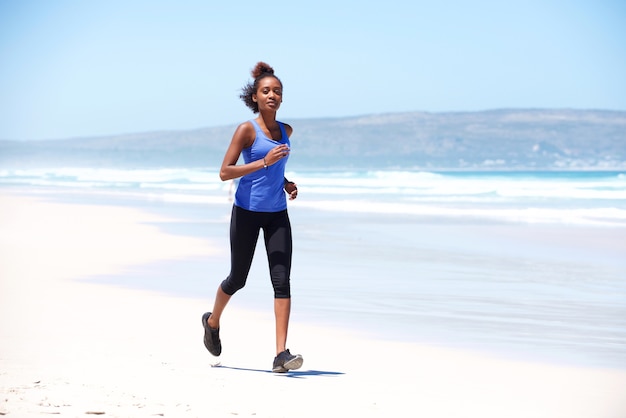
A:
{"points": [[262, 190]]}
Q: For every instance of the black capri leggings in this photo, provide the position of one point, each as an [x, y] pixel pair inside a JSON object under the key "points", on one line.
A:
{"points": [[244, 233]]}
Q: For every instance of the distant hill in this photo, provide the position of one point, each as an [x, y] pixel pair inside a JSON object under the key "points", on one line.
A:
{"points": [[529, 139]]}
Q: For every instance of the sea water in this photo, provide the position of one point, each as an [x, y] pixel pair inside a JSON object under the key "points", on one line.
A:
{"points": [[581, 198], [526, 264]]}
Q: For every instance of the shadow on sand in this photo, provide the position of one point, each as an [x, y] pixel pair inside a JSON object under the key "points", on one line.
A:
{"points": [[298, 374]]}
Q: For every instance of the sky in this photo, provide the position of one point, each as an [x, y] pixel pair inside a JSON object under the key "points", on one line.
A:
{"points": [[73, 68]]}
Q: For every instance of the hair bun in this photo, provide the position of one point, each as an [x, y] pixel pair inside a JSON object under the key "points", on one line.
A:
{"points": [[261, 68]]}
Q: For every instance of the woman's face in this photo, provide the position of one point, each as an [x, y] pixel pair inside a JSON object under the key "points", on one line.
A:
{"points": [[269, 94]]}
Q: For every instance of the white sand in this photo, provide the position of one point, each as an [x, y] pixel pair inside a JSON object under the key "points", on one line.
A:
{"points": [[72, 348]]}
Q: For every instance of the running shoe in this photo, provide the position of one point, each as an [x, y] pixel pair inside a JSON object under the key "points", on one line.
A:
{"points": [[211, 336], [286, 361]]}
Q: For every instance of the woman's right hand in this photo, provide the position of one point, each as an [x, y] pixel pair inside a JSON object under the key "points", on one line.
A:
{"points": [[276, 153]]}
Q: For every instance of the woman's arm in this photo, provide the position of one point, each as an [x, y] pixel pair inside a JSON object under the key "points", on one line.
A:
{"points": [[242, 138]]}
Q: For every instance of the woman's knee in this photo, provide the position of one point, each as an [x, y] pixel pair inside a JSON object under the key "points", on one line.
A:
{"points": [[231, 286], [282, 287]]}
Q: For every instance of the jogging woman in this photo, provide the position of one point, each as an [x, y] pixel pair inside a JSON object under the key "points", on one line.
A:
{"points": [[260, 204]]}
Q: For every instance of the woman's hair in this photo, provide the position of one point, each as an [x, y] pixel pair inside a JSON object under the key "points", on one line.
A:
{"points": [[259, 72]]}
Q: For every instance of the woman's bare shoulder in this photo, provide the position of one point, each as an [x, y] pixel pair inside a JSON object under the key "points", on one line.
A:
{"points": [[288, 128], [245, 134]]}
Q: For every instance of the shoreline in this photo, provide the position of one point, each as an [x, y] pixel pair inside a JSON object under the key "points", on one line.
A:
{"points": [[73, 347]]}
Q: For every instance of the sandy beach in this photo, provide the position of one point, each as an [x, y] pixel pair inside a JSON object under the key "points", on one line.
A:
{"points": [[71, 347]]}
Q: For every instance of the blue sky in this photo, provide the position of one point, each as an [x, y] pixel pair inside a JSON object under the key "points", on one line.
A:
{"points": [[71, 68]]}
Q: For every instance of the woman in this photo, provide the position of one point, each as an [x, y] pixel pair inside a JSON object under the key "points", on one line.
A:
{"points": [[260, 203]]}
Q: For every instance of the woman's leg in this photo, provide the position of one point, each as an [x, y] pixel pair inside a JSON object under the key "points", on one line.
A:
{"points": [[244, 233], [282, 309], [278, 244], [221, 300]]}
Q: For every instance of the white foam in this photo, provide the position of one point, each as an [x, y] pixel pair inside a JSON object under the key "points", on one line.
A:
{"points": [[574, 198], [606, 216]]}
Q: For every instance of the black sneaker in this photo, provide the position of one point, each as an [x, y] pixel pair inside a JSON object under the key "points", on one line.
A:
{"points": [[286, 361], [211, 337]]}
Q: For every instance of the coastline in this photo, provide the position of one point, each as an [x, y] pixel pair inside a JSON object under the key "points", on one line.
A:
{"points": [[73, 347]]}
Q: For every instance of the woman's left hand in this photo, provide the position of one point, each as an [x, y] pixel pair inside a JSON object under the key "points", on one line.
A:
{"points": [[292, 189]]}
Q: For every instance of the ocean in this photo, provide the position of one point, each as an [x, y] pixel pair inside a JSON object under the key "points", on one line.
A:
{"points": [[572, 198], [528, 265]]}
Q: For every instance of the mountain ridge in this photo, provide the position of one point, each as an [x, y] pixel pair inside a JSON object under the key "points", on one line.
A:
{"points": [[517, 139]]}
